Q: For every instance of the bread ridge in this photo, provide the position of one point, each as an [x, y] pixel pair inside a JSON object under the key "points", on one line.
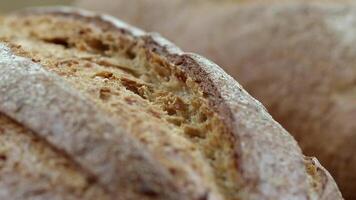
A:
{"points": [[29, 169], [228, 98]]}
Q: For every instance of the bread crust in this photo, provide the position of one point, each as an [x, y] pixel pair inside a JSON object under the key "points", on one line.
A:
{"points": [[30, 169], [270, 162]]}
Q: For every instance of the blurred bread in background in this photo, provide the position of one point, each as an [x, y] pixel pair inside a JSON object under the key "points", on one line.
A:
{"points": [[298, 58], [10, 5]]}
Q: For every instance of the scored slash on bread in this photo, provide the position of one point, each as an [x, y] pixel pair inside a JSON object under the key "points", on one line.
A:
{"points": [[137, 118]]}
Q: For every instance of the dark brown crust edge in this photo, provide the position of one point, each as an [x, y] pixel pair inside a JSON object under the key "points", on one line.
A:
{"points": [[270, 162]]}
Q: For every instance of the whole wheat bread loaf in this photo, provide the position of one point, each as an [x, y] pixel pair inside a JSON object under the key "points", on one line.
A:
{"points": [[297, 58], [92, 108]]}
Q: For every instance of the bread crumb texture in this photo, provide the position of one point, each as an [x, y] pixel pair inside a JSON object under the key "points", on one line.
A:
{"points": [[148, 96]]}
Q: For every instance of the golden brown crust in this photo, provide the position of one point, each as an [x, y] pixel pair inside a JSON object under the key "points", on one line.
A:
{"points": [[269, 161]]}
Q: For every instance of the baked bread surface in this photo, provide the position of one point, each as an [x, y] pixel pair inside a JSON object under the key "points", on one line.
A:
{"points": [[127, 115], [296, 57]]}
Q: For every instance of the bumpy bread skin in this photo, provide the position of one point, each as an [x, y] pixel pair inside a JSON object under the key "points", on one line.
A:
{"points": [[297, 58], [140, 119]]}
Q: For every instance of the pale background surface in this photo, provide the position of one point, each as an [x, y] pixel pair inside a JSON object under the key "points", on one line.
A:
{"points": [[9, 5]]}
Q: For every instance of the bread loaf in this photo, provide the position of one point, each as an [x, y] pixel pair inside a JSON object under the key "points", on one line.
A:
{"points": [[92, 108], [297, 58]]}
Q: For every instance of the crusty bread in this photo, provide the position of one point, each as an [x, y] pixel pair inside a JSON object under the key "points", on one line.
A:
{"points": [[297, 58], [130, 116]]}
